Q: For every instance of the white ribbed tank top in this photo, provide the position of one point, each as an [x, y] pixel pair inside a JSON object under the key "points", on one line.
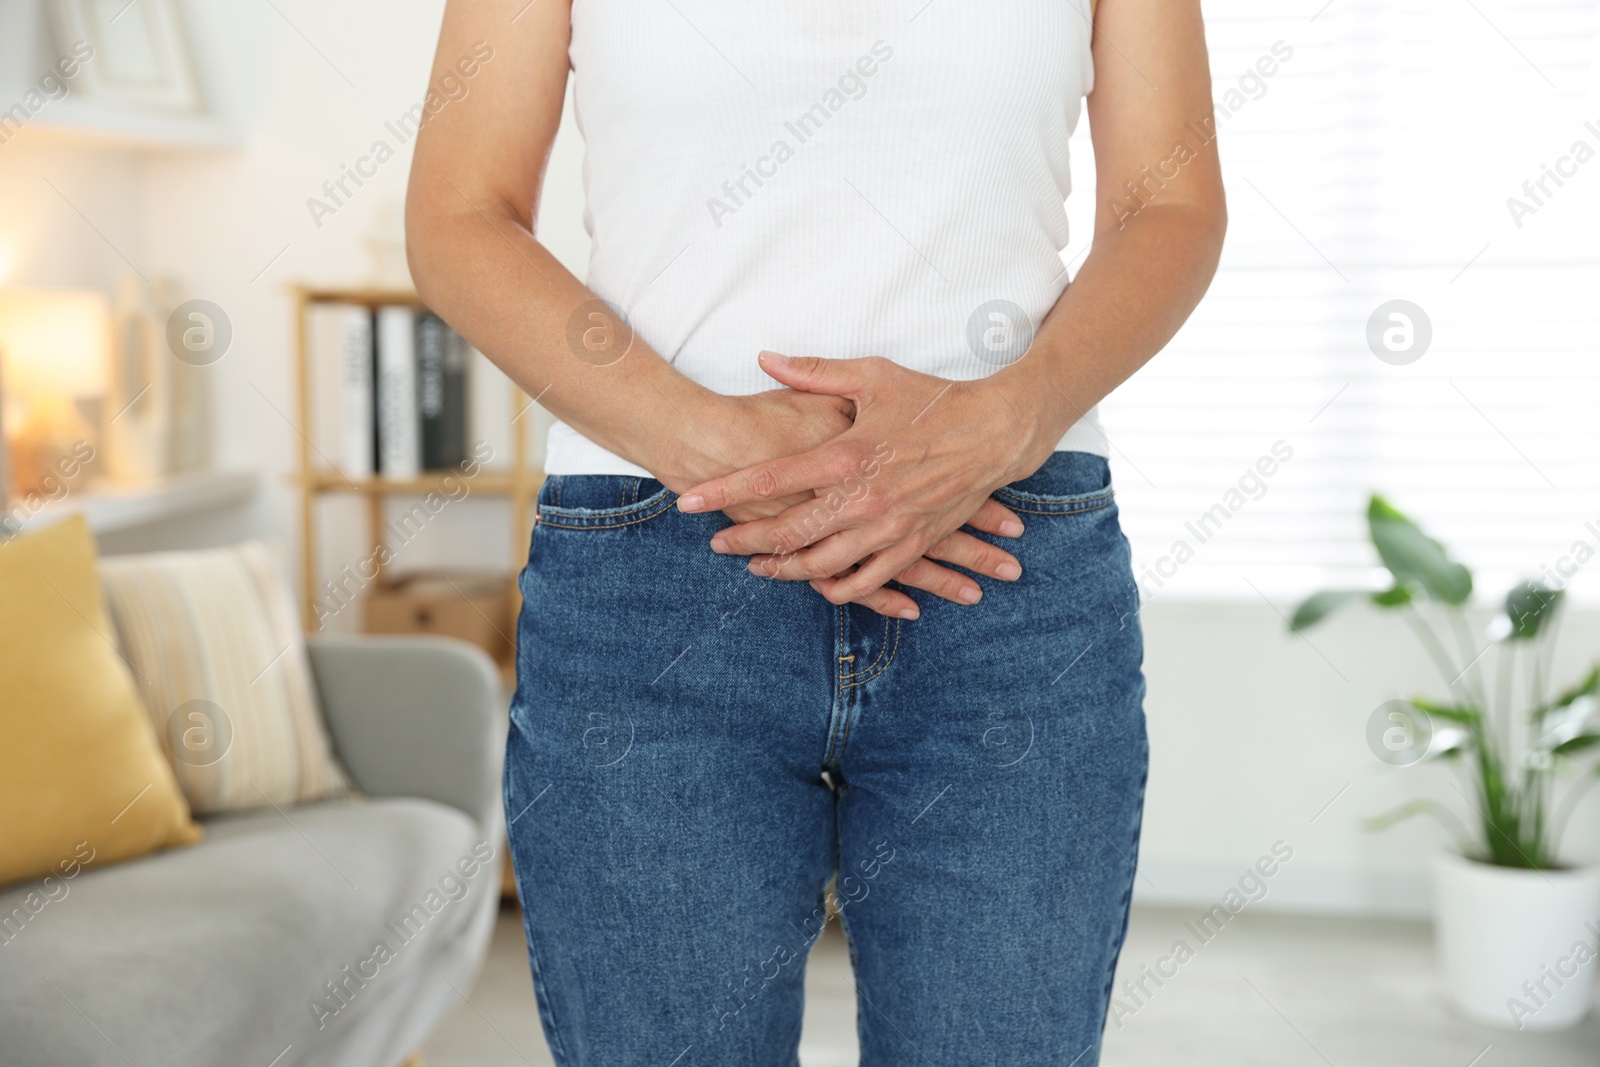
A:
{"points": [[826, 178]]}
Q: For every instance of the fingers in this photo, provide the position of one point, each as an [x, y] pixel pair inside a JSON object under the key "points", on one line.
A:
{"points": [[976, 555], [995, 518], [871, 575], [784, 533], [811, 519], [765, 509], [816, 469], [823, 562], [830, 559], [813, 541], [890, 602], [813, 374], [838, 471], [942, 582], [832, 555]]}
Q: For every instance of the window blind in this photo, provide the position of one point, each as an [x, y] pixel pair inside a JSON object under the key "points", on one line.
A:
{"points": [[1440, 152]]}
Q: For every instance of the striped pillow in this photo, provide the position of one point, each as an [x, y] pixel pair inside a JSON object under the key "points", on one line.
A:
{"points": [[221, 664]]}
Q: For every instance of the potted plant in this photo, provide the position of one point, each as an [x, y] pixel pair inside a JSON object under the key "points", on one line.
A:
{"points": [[1518, 931]]}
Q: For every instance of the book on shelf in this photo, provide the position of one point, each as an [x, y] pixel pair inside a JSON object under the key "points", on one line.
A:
{"points": [[341, 371], [399, 421], [441, 392], [390, 391]]}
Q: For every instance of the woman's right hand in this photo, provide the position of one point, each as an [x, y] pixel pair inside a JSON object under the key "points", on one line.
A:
{"points": [[734, 432], [773, 424]]}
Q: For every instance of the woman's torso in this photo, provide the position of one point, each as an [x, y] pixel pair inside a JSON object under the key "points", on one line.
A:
{"points": [[826, 179]]}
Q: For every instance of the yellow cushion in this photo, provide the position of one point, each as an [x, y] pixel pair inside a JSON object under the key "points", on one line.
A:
{"points": [[81, 771]]}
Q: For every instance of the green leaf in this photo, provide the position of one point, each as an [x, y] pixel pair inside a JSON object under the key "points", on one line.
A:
{"points": [[1414, 557], [1530, 606], [1576, 745], [1319, 606], [1431, 808], [1397, 597], [1587, 687], [1464, 716]]}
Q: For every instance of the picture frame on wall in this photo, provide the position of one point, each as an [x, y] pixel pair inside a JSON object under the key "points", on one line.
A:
{"points": [[141, 58]]}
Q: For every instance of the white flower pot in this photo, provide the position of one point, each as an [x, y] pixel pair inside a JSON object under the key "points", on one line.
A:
{"points": [[1519, 948]]}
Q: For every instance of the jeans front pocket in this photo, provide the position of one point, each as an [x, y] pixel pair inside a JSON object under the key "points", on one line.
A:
{"points": [[601, 501], [1069, 483]]}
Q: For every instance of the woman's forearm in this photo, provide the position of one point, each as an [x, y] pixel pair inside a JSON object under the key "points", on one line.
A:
{"points": [[516, 303], [1137, 287], [475, 184], [1147, 269]]}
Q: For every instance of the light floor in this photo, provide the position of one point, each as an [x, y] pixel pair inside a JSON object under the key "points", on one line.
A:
{"points": [[1269, 991]]}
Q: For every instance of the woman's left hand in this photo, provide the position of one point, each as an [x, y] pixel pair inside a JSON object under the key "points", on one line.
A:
{"points": [[920, 461]]}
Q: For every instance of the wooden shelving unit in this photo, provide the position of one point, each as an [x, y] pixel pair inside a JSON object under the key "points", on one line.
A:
{"points": [[519, 484], [333, 482]]}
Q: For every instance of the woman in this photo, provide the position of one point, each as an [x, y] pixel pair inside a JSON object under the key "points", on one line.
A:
{"points": [[782, 621]]}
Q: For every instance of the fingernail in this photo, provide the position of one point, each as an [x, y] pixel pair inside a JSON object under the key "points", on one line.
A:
{"points": [[767, 354], [971, 594], [1008, 571], [719, 545], [692, 502], [1011, 528], [909, 614]]}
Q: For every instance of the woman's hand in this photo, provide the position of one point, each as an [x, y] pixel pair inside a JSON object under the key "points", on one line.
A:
{"points": [[759, 427], [780, 423], [920, 461]]}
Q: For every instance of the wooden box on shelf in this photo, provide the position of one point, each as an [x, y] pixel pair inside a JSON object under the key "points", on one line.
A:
{"points": [[473, 606]]}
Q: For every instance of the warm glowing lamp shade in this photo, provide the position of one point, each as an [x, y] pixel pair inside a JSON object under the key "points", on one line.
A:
{"points": [[53, 350], [54, 343]]}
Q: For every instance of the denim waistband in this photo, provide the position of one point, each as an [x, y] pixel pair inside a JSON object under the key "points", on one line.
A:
{"points": [[1064, 478]]}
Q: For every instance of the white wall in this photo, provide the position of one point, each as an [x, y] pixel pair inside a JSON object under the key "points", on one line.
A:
{"points": [[220, 221], [43, 238], [1253, 732], [312, 89]]}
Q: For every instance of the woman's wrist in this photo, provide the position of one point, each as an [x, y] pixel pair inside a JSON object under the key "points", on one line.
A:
{"points": [[1029, 404], [679, 450]]}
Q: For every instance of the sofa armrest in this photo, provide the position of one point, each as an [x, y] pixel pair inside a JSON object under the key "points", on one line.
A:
{"points": [[416, 716]]}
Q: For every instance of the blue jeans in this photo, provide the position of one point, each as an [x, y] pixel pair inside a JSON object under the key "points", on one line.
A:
{"points": [[694, 752]]}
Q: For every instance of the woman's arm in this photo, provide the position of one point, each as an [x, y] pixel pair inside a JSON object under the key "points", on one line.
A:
{"points": [[1160, 213], [956, 442], [474, 192]]}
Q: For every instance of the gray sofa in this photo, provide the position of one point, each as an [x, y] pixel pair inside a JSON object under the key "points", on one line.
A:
{"points": [[335, 933]]}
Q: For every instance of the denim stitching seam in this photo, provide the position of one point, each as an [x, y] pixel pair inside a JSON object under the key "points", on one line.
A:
{"points": [[884, 648], [1119, 938], [666, 506], [558, 1047], [1016, 503], [893, 649], [840, 651]]}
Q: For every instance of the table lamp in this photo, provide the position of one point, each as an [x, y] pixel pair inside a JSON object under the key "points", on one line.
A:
{"points": [[53, 354]]}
